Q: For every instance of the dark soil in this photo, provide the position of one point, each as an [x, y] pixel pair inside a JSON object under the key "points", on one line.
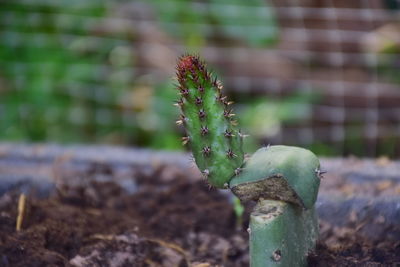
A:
{"points": [[170, 221]]}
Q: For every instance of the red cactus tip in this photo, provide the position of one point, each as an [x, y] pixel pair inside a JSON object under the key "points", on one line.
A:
{"points": [[187, 62]]}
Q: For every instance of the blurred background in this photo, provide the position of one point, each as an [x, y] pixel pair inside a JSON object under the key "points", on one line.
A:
{"points": [[323, 74]]}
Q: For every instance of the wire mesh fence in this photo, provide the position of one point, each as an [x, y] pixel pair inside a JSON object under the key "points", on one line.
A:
{"points": [[318, 73]]}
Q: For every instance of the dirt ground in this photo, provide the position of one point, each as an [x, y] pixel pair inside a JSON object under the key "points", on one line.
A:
{"points": [[170, 221]]}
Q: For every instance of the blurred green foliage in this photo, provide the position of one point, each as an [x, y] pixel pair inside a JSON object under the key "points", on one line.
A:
{"points": [[389, 65], [48, 81], [66, 74], [62, 80], [265, 118], [234, 22]]}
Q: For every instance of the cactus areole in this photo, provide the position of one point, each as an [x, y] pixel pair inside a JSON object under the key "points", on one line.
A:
{"points": [[207, 117]]}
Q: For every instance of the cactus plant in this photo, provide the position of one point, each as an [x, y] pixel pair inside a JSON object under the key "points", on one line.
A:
{"points": [[279, 172], [283, 225], [283, 180], [208, 119], [281, 234]]}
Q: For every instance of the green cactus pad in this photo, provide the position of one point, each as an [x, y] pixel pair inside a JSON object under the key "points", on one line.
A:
{"points": [[284, 173], [208, 120], [281, 234]]}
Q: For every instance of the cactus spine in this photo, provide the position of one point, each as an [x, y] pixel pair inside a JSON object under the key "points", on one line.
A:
{"points": [[207, 117]]}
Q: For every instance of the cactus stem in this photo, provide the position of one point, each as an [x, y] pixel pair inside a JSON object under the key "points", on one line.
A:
{"points": [[282, 231], [206, 151], [281, 234], [203, 105], [204, 130]]}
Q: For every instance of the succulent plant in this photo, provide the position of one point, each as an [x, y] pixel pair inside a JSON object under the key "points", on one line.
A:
{"points": [[286, 173], [283, 180], [207, 116], [281, 234]]}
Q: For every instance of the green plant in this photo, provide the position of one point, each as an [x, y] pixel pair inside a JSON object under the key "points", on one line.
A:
{"points": [[206, 114], [66, 77], [283, 180], [196, 23], [238, 209]]}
